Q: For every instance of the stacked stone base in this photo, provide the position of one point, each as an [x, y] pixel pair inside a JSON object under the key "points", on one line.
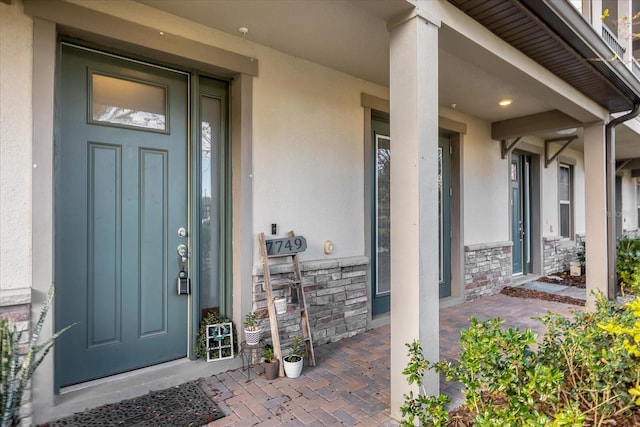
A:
{"points": [[336, 295], [558, 252], [18, 314], [487, 269]]}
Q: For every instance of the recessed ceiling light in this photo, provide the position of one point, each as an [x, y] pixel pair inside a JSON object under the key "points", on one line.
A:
{"points": [[505, 102], [566, 131]]}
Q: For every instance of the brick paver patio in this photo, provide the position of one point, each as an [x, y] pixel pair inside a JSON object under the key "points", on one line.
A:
{"points": [[350, 384]]}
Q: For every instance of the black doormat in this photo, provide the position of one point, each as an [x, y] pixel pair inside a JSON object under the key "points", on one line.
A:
{"points": [[185, 405]]}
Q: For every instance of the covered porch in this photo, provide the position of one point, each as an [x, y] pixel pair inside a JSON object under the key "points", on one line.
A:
{"points": [[308, 76], [351, 383]]}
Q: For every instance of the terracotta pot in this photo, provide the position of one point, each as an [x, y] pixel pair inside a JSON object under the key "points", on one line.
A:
{"points": [[271, 369]]}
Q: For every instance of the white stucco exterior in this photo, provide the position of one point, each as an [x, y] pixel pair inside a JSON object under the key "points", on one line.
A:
{"points": [[306, 166], [15, 150], [309, 178]]}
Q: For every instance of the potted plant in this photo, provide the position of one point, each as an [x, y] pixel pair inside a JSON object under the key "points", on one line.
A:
{"points": [[293, 361], [271, 364], [251, 329]]}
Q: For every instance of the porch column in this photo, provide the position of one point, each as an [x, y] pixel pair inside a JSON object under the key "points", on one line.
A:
{"points": [[596, 209], [414, 189]]}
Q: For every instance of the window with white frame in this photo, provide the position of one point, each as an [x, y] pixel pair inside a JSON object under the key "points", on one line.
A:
{"points": [[565, 184]]}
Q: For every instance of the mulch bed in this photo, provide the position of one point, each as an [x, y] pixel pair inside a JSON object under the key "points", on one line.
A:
{"points": [[463, 417], [533, 294], [566, 279]]}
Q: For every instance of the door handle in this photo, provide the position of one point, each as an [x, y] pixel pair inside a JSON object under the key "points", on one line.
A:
{"points": [[183, 251]]}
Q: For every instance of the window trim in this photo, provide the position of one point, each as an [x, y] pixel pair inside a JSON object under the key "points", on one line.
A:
{"points": [[569, 201]]}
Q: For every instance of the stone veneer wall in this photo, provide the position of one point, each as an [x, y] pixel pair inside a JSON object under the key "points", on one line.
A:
{"points": [[632, 234], [18, 314], [558, 252], [487, 269], [335, 292]]}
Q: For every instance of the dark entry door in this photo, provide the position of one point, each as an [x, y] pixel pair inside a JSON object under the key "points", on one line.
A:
{"points": [[520, 171], [120, 198], [444, 214]]}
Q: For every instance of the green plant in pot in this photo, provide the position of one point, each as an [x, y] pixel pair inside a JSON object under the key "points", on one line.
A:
{"points": [[251, 329], [271, 363], [294, 359]]}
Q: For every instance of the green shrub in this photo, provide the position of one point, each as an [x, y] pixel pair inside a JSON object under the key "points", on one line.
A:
{"points": [[628, 331], [597, 370], [16, 369], [628, 264], [428, 410], [584, 369]]}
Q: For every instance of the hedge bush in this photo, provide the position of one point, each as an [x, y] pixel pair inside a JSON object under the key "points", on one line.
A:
{"points": [[584, 371]]}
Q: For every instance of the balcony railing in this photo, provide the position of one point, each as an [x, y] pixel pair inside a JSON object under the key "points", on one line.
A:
{"points": [[613, 41]]}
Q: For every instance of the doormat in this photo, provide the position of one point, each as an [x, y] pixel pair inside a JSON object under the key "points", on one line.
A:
{"points": [[185, 405]]}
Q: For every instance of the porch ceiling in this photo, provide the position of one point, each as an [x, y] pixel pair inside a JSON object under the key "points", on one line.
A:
{"points": [[351, 36], [347, 35]]}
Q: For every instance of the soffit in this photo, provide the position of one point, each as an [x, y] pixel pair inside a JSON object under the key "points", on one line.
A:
{"points": [[559, 49]]}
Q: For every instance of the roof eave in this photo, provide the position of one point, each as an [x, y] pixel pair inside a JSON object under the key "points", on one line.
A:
{"points": [[567, 23]]}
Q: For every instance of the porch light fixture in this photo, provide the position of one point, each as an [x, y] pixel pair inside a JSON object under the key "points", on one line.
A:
{"points": [[569, 131], [505, 102]]}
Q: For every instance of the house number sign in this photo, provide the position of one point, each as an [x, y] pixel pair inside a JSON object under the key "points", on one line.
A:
{"points": [[286, 246]]}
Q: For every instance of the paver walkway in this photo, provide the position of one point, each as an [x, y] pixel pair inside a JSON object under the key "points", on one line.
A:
{"points": [[350, 384]]}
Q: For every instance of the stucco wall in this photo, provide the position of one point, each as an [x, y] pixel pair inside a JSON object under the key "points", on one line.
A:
{"points": [[307, 138], [485, 180], [308, 154], [551, 210], [15, 149], [486, 185]]}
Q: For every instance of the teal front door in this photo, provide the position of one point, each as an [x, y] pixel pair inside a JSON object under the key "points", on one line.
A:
{"points": [[120, 199], [520, 174], [444, 215]]}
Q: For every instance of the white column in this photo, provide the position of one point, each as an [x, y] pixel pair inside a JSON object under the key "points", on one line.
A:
{"points": [[625, 35], [596, 14], [414, 200], [596, 209]]}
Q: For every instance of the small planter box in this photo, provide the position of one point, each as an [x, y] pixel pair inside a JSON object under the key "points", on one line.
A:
{"points": [[575, 268], [219, 341]]}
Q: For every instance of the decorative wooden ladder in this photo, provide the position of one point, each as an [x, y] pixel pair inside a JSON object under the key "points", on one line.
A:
{"points": [[280, 248]]}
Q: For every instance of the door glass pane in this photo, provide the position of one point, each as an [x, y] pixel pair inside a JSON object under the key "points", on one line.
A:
{"points": [[123, 102], [564, 220], [564, 191], [210, 123], [383, 219]]}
